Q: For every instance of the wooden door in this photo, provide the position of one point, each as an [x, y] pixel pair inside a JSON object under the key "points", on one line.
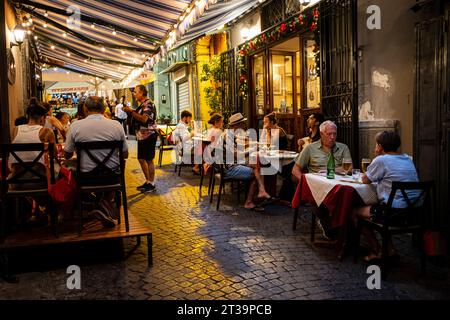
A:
{"points": [[431, 111]]}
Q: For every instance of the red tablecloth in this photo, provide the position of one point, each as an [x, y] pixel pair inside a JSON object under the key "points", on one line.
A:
{"points": [[340, 201]]}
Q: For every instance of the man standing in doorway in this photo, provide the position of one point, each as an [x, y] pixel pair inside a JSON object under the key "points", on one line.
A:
{"points": [[144, 122]]}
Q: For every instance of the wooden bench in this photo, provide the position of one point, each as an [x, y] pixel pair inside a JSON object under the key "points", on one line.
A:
{"points": [[93, 231]]}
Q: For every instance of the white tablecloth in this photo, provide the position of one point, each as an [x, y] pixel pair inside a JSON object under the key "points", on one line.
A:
{"points": [[277, 158], [320, 186]]}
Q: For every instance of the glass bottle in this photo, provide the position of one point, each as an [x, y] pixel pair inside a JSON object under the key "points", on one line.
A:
{"points": [[330, 165]]}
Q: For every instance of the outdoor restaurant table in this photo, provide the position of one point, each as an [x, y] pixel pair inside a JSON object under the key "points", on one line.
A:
{"points": [[276, 159], [339, 195]]}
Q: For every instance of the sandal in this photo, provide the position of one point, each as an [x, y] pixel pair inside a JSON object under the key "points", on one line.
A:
{"points": [[257, 208], [372, 258]]}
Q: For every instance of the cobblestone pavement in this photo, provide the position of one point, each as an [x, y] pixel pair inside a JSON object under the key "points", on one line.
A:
{"points": [[201, 253]]}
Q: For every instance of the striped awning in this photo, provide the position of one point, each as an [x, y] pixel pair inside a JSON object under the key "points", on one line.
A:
{"points": [[217, 15], [106, 38]]}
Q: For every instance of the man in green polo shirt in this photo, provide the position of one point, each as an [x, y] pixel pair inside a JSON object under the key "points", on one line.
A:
{"points": [[315, 155], [314, 159]]}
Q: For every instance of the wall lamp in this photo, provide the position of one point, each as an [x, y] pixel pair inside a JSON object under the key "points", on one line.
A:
{"points": [[19, 36]]}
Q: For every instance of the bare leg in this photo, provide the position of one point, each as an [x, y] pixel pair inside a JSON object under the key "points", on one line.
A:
{"points": [[251, 192], [144, 167], [260, 180], [151, 171], [369, 234]]}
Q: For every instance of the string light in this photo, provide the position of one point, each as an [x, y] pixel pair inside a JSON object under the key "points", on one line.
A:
{"points": [[28, 31], [55, 69], [45, 25], [64, 35], [92, 26], [135, 40], [35, 37], [68, 54], [85, 61], [67, 72], [188, 10], [53, 47], [122, 52], [45, 14], [114, 32], [143, 56], [103, 49]]}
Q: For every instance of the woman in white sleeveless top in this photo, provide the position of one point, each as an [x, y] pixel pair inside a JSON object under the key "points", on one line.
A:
{"points": [[33, 132]]}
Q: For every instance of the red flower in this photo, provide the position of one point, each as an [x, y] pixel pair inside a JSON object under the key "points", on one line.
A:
{"points": [[300, 19], [252, 46], [263, 37], [242, 78], [316, 13], [313, 26], [283, 27]]}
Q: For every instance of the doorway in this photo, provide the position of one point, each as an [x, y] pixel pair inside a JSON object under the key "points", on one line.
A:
{"points": [[285, 81], [432, 111]]}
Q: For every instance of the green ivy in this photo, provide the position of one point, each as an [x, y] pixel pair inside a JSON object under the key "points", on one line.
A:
{"points": [[212, 72]]}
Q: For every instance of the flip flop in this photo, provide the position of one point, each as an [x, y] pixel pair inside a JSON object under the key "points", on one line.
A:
{"points": [[256, 209], [268, 201]]}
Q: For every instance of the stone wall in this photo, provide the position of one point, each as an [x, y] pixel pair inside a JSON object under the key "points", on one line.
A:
{"points": [[386, 67]]}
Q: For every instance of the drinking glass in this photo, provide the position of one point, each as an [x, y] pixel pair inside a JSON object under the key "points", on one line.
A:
{"points": [[347, 165], [364, 164], [356, 174]]}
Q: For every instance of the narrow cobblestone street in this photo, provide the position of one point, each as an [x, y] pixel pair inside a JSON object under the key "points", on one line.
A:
{"points": [[201, 253]]}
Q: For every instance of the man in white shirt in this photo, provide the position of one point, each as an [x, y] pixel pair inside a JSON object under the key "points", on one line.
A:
{"points": [[182, 137], [96, 127]]}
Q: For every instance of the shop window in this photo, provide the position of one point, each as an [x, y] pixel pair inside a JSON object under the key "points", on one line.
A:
{"points": [[282, 83], [312, 74], [259, 84]]}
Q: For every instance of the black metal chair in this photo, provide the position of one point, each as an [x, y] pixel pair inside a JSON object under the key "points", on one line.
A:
{"points": [[218, 172], [164, 144], [391, 221], [28, 182], [102, 178]]}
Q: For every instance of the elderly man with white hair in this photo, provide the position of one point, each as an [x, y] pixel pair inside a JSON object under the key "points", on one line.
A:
{"points": [[314, 159], [314, 156]]}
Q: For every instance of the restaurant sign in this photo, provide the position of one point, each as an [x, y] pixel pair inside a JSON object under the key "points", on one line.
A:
{"points": [[68, 89]]}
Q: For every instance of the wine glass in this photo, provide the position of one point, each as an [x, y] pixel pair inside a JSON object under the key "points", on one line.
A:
{"points": [[347, 165], [364, 164]]}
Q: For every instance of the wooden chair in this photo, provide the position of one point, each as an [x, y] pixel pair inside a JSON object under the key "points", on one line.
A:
{"points": [[102, 178], [26, 181], [411, 219], [164, 142]]}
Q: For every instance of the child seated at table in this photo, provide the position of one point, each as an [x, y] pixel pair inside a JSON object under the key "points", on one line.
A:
{"points": [[389, 165]]}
